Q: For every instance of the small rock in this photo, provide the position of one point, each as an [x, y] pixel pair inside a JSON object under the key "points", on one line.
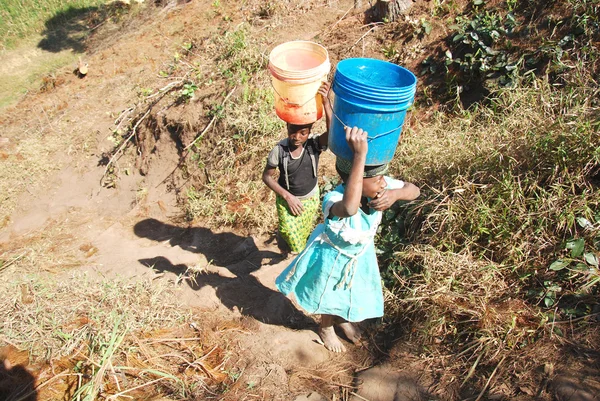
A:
{"points": [[570, 389], [383, 383]]}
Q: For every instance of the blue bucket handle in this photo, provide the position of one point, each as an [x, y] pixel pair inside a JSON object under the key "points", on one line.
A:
{"points": [[369, 138]]}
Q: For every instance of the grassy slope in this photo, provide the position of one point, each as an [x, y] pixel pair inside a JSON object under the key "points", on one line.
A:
{"points": [[22, 19], [506, 240], [506, 186]]}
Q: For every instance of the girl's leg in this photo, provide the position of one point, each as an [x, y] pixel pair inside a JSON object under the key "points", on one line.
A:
{"points": [[328, 336], [351, 331]]}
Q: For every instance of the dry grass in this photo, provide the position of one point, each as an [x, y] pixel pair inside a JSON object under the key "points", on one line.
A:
{"points": [[520, 178], [26, 163], [88, 337], [247, 130], [506, 187]]}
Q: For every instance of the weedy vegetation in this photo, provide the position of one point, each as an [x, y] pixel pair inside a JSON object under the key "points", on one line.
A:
{"points": [[505, 242], [494, 266]]}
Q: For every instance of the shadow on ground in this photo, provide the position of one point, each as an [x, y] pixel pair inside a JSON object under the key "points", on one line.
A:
{"points": [[70, 28], [238, 288]]}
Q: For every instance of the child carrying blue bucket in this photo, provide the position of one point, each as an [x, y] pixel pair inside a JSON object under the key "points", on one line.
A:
{"points": [[337, 275]]}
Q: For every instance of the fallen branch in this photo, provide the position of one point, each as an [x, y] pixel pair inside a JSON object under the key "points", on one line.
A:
{"points": [[121, 118], [362, 37], [161, 92], [212, 120], [490, 378], [167, 88], [125, 142]]}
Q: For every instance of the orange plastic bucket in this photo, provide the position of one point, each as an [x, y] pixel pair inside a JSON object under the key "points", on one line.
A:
{"points": [[297, 70]]}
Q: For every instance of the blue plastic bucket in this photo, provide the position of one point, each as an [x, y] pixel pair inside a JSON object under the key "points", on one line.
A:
{"points": [[373, 95]]}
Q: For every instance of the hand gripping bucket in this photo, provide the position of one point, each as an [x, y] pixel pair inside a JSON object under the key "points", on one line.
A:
{"points": [[298, 68], [373, 95]]}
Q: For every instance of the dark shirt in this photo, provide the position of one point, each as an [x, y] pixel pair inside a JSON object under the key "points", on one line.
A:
{"points": [[300, 171]]}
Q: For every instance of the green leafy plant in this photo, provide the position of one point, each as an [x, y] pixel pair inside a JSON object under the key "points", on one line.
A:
{"points": [[422, 27], [389, 51], [582, 259], [146, 91], [481, 46], [188, 90], [216, 111]]}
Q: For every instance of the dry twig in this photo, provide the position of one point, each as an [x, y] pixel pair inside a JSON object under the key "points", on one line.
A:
{"points": [[490, 378], [211, 121], [125, 142]]}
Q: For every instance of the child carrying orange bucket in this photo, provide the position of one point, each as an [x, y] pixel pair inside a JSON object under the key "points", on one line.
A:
{"points": [[297, 189], [299, 72]]}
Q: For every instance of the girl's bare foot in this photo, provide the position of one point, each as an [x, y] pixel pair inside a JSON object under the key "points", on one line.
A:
{"points": [[352, 332], [328, 336]]}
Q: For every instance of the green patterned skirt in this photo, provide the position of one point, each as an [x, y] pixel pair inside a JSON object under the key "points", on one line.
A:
{"points": [[296, 229]]}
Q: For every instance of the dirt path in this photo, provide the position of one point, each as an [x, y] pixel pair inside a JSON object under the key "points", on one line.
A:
{"points": [[129, 231], [124, 233], [237, 273]]}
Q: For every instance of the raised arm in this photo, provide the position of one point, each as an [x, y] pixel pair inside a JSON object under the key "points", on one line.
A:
{"points": [[324, 92], [348, 206]]}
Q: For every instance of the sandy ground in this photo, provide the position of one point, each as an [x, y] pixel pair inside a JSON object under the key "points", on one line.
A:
{"points": [[136, 228], [133, 236]]}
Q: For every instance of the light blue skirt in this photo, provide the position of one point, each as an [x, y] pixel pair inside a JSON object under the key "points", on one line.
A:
{"points": [[335, 278]]}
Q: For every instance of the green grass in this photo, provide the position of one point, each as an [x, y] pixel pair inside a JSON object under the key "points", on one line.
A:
{"points": [[509, 189], [17, 79], [21, 19], [248, 129]]}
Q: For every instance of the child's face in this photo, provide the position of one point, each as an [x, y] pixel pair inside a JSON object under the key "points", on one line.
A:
{"points": [[372, 186], [298, 134]]}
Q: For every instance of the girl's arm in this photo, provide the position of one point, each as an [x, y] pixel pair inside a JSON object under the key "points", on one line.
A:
{"points": [[348, 206], [324, 91], [293, 202], [387, 198]]}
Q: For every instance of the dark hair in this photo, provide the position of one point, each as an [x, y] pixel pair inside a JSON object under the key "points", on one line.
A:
{"points": [[367, 174], [298, 127]]}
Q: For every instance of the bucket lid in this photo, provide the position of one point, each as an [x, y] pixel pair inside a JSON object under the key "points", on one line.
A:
{"points": [[375, 78], [299, 61], [360, 96]]}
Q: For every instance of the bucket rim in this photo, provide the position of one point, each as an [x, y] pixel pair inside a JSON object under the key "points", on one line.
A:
{"points": [[375, 99], [322, 71], [308, 75], [357, 90], [372, 61]]}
